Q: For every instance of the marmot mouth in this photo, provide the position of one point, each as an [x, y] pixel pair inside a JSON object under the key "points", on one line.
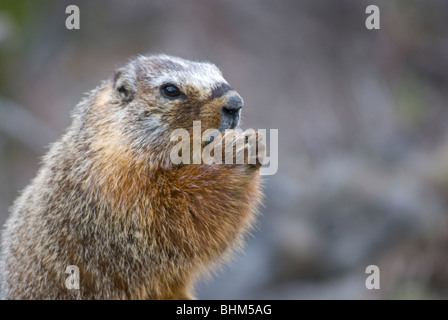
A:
{"points": [[229, 121]]}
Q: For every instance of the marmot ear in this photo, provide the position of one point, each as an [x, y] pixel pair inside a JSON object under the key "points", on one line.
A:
{"points": [[124, 85]]}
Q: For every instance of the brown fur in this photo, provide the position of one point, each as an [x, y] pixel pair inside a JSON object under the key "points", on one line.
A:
{"points": [[107, 199]]}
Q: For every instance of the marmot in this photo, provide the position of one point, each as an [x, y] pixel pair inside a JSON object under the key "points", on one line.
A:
{"points": [[108, 200]]}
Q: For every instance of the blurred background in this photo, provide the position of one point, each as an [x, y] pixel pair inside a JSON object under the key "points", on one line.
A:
{"points": [[362, 118]]}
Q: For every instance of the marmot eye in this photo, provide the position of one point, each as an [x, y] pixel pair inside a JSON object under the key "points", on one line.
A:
{"points": [[171, 91]]}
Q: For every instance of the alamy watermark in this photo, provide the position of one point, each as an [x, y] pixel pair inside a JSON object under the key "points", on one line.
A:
{"points": [[73, 20], [232, 146], [72, 281], [373, 20], [373, 280]]}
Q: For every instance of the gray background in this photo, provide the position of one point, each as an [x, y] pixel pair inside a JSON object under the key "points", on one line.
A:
{"points": [[362, 118]]}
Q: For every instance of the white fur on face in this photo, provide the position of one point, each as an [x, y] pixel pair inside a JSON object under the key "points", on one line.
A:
{"points": [[201, 75]]}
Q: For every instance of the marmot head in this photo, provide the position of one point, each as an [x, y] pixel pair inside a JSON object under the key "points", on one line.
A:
{"points": [[170, 93], [150, 96]]}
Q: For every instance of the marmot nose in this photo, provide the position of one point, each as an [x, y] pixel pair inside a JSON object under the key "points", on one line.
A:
{"points": [[234, 104]]}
